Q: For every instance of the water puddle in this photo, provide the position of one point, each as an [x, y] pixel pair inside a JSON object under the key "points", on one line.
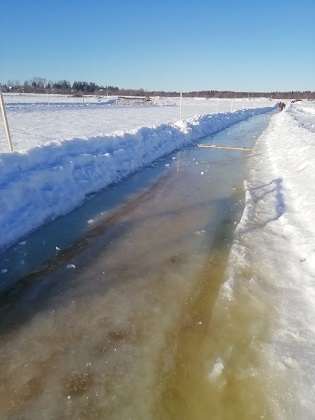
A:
{"points": [[119, 324]]}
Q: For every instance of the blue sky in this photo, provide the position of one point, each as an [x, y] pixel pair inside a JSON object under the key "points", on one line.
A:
{"points": [[240, 45]]}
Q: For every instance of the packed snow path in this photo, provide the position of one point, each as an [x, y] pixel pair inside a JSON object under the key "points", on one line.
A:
{"points": [[272, 262]]}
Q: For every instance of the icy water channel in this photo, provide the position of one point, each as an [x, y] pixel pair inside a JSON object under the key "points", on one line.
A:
{"points": [[116, 324]]}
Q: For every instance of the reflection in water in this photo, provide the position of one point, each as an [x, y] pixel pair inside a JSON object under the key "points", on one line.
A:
{"points": [[135, 330]]}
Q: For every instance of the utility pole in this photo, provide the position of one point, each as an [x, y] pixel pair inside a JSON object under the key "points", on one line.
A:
{"points": [[5, 120]]}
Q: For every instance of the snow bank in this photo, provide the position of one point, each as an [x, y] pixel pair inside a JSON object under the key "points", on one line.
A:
{"points": [[272, 261], [42, 183]]}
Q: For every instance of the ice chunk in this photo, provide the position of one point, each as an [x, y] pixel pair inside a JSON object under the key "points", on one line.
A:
{"points": [[216, 371], [70, 266]]}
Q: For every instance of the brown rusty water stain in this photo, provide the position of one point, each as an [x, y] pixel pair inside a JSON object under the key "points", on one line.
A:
{"points": [[76, 383]]}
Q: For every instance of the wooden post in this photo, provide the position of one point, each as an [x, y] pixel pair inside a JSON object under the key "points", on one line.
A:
{"points": [[5, 120], [213, 146], [180, 105]]}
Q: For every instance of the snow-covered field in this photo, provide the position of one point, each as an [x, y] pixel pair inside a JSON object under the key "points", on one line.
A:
{"points": [[94, 145], [36, 119]]}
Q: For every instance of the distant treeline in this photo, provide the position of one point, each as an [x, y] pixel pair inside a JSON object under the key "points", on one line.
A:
{"points": [[78, 88]]}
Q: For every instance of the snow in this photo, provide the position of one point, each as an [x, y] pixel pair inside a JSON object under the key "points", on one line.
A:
{"points": [[276, 237], [40, 183], [37, 119], [43, 180]]}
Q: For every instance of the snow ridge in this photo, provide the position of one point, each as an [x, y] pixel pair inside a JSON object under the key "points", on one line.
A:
{"points": [[273, 256]]}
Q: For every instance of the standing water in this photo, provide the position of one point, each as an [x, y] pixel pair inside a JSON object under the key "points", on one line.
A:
{"points": [[119, 325]]}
